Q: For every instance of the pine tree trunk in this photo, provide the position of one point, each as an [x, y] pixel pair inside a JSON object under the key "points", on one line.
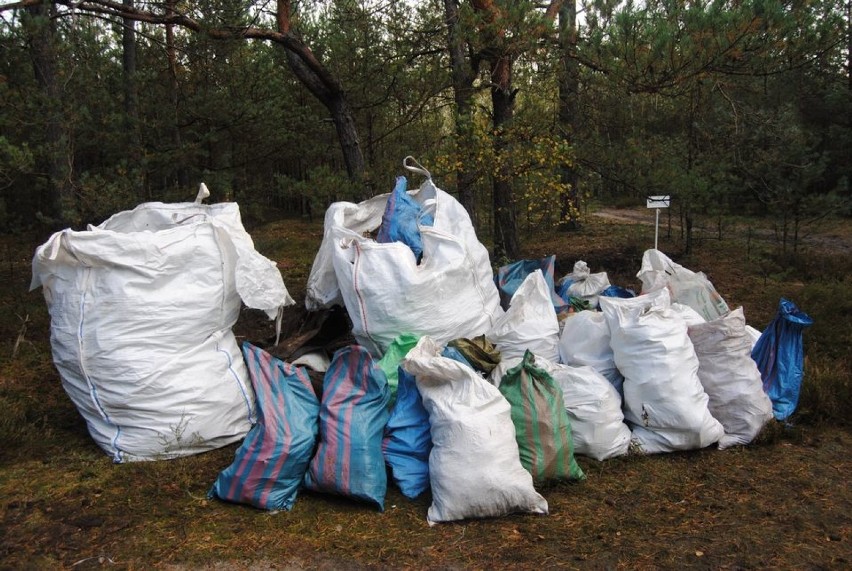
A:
{"points": [[506, 245], [569, 82], [463, 73], [58, 157]]}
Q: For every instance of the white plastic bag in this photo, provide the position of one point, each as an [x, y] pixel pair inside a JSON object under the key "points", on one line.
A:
{"points": [[731, 377], [448, 295], [585, 284], [686, 287], [664, 401], [530, 323], [474, 466], [141, 313]]}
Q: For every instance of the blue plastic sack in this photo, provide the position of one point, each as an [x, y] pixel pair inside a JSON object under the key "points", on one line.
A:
{"points": [[402, 219], [616, 291], [352, 419], [780, 358], [408, 438], [510, 277], [271, 462]]}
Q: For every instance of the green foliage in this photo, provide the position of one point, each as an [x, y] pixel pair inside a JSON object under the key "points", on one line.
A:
{"points": [[318, 190]]}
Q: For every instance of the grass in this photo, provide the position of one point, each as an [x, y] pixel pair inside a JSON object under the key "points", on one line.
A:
{"points": [[782, 502]]}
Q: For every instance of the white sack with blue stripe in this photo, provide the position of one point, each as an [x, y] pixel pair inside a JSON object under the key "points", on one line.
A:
{"points": [[141, 311]]}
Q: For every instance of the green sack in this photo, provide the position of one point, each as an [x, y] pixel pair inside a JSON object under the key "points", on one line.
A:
{"points": [[542, 427], [481, 353], [389, 363]]}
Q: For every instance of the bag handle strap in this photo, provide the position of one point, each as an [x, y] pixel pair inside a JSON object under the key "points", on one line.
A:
{"points": [[203, 193], [410, 163]]}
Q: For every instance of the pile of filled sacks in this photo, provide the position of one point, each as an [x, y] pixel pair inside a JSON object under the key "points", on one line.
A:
{"points": [[478, 387]]}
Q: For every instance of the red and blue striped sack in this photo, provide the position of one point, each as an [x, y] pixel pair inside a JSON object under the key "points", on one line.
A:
{"points": [[270, 464], [353, 414]]}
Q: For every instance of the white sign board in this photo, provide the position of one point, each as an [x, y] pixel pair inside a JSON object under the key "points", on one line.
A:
{"points": [[659, 201]]}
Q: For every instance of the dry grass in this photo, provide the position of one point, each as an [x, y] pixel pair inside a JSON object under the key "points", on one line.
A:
{"points": [[780, 503]]}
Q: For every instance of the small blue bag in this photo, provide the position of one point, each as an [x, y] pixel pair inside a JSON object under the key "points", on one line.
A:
{"points": [[402, 219], [408, 440], [616, 291], [779, 355]]}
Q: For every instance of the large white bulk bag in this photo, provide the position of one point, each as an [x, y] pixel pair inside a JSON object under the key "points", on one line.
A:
{"points": [[664, 401], [141, 311], [530, 323], [731, 377], [450, 294], [585, 341], [686, 287], [474, 466]]}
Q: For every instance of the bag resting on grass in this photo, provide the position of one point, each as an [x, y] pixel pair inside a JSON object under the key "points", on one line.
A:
{"points": [[475, 469], [353, 415], [542, 428], [664, 401], [730, 377], [270, 464], [141, 311], [780, 357]]}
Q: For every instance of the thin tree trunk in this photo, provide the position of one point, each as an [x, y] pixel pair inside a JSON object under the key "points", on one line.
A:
{"points": [[569, 82], [463, 71], [174, 88], [506, 244], [328, 90], [58, 158], [131, 95]]}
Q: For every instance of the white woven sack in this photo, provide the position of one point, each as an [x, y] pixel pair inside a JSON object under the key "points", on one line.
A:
{"points": [[731, 377], [753, 335], [474, 466], [585, 284], [689, 315], [686, 287], [585, 341], [450, 294], [592, 404], [597, 421], [664, 401], [141, 308], [530, 323]]}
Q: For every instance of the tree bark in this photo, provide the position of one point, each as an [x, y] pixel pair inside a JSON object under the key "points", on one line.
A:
{"points": [[569, 83], [58, 158], [500, 54], [506, 244], [327, 89], [463, 72]]}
